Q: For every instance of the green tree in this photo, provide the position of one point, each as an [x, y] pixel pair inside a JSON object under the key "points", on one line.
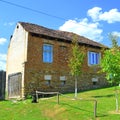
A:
{"points": [[110, 64], [76, 60]]}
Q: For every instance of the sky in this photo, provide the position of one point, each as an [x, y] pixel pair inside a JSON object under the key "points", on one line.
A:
{"points": [[94, 19]]}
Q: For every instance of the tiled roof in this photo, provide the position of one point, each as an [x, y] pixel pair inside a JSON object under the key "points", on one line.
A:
{"points": [[68, 36]]}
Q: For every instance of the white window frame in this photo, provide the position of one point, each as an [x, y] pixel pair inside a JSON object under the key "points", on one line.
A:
{"points": [[95, 81], [63, 83], [48, 79], [63, 80], [49, 53], [94, 58]]}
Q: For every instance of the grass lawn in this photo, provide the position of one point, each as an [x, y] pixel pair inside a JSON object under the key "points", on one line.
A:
{"points": [[68, 109]]}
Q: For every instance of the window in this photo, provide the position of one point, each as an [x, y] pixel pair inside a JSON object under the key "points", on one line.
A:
{"points": [[47, 79], [93, 58], [47, 82], [63, 83], [94, 81], [63, 80], [47, 53]]}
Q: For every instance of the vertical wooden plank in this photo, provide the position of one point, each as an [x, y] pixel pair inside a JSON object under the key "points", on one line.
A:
{"points": [[14, 85], [36, 96], [58, 97], [95, 108]]}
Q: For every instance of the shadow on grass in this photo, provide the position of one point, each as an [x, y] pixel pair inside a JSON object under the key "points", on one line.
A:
{"points": [[3, 100], [102, 115], [98, 114], [75, 107], [101, 96]]}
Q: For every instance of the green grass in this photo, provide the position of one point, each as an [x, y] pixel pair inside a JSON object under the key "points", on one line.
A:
{"points": [[68, 109]]}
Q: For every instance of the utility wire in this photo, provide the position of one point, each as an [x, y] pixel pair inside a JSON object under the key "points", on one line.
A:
{"points": [[30, 9], [33, 10]]}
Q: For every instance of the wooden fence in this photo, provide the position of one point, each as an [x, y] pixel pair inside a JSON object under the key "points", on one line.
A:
{"points": [[58, 99], [2, 84]]}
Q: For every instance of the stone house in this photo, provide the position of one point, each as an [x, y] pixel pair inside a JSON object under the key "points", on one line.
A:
{"points": [[38, 60]]}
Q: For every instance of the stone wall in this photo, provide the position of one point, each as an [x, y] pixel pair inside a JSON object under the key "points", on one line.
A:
{"points": [[56, 76]]}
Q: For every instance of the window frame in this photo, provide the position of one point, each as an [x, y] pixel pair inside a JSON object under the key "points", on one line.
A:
{"points": [[93, 58], [47, 79], [95, 81], [63, 83], [48, 52], [63, 80], [47, 82]]}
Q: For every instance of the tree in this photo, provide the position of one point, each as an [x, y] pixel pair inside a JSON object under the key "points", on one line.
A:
{"points": [[111, 64], [76, 60]]}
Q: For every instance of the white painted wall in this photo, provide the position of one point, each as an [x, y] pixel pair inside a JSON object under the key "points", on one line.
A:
{"points": [[17, 54]]}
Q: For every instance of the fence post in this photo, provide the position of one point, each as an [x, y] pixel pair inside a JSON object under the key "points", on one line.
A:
{"points": [[58, 97], [95, 108], [36, 96]]}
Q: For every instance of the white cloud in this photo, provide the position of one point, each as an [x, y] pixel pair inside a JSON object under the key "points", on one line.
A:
{"points": [[94, 13], [2, 41], [3, 57], [92, 29], [2, 61], [2, 65], [83, 28], [9, 23], [116, 33], [110, 16]]}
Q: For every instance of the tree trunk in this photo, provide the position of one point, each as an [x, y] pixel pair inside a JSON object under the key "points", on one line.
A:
{"points": [[75, 86], [116, 97]]}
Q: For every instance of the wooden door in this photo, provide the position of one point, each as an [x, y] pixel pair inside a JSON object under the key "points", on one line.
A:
{"points": [[14, 85]]}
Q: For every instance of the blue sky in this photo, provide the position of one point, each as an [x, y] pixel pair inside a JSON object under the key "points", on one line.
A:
{"points": [[94, 19]]}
